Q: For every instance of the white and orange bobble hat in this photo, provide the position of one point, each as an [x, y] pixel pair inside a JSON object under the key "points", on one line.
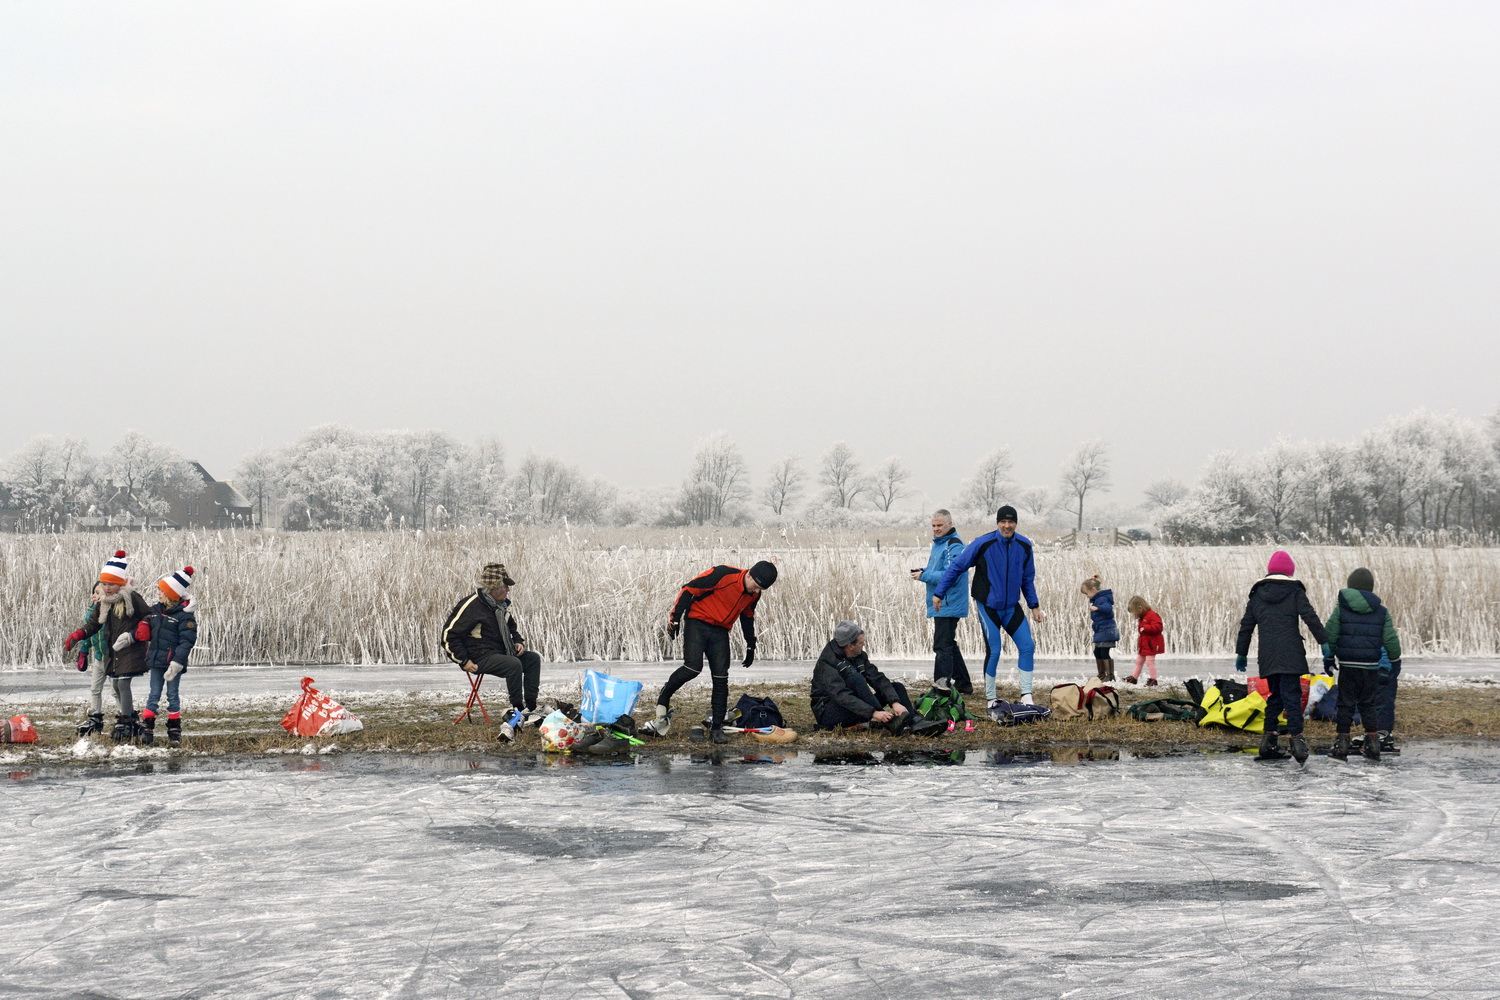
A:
{"points": [[174, 586], [115, 570]]}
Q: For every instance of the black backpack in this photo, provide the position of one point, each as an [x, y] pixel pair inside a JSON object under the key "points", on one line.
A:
{"points": [[757, 713], [1230, 691]]}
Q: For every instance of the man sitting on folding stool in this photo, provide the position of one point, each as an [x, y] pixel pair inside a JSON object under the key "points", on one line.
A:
{"points": [[481, 637]]}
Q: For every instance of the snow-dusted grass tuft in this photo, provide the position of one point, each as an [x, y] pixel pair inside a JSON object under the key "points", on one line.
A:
{"points": [[381, 597]]}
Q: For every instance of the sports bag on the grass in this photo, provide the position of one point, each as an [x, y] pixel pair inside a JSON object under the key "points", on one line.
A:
{"points": [[1014, 713], [942, 705], [1247, 714], [1174, 709], [606, 698], [757, 713], [1097, 701], [316, 714]]}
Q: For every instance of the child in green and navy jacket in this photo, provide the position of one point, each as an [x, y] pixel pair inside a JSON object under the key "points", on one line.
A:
{"points": [[1360, 629]]}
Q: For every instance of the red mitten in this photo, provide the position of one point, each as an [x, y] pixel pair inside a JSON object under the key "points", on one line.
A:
{"points": [[83, 659], [143, 632], [68, 642]]}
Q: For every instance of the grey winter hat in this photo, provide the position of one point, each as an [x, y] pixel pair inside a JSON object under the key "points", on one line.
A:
{"points": [[846, 632], [1362, 579]]}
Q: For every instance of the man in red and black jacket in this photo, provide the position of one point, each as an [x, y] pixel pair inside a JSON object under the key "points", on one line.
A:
{"points": [[712, 603]]}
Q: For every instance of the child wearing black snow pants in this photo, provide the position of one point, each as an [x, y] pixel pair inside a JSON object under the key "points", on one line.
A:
{"points": [[1360, 629], [1277, 603]]}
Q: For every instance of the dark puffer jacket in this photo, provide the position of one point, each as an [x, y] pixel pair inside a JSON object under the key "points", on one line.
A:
{"points": [[1105, 629], [829, 685], [1276, 603], [131, 661], [1360, 629], [472, 630], [174, 630]]}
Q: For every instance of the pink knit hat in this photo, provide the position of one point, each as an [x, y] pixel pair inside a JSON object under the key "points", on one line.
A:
{"points": [[1281, 562]]}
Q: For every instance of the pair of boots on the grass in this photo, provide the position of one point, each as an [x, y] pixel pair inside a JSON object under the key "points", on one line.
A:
{"points": [[139, 727], [1371, 747]]}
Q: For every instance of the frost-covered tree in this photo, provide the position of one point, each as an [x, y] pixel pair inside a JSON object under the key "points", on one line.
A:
{"points": [[783, 485], [1086, 471], [989, 484], [1280, 484], [545, 490], [841, 476], [146, 476], [1035, 501], [258, 477], [717, 481], [1164, 493], [888, 483]]}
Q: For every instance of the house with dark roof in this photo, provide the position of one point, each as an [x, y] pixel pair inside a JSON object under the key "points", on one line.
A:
{"points": [[217, 505]]}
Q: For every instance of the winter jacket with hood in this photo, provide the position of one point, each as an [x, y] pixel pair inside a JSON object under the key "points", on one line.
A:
{"points": [[477, 626], [1004, 571], [1360, 629], [830, 686], [174, 631], [1149, 641], [945, 549], [119, 617], [1275, 606], [1105, 629]]}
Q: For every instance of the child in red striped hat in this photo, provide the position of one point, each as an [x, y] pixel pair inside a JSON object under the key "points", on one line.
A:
{"points": [[120, 613], [174, 630]]}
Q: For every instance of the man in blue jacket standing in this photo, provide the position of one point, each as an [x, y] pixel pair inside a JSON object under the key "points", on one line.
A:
{"points": [[1004, 575], [948, 664]]}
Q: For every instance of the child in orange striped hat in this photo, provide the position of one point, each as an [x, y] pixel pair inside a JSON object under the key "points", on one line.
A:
{"points": [[120, 614], [174, 630]]}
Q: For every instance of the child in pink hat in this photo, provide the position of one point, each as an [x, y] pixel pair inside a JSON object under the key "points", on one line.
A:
{"points": [[1277, 603]]}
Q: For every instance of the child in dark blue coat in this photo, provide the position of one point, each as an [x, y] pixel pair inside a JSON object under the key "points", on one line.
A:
{"points": [[174, 631], [1106, 632]]}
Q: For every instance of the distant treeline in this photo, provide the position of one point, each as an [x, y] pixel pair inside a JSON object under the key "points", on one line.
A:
{"points": [[1415, 475]]}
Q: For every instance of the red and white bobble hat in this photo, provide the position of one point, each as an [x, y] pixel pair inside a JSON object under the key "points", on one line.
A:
{"points": [[174, 586], [115, 570]]}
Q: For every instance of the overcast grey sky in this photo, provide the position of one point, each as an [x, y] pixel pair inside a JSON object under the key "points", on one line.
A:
{"points": [[605, 230]]}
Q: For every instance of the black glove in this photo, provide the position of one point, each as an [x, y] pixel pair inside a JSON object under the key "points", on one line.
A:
{"points": [[1328, 664], [671, 629], [749, 655]]}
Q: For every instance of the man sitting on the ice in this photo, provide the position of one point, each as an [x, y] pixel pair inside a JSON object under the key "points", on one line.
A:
{"points": [[848, 690]]}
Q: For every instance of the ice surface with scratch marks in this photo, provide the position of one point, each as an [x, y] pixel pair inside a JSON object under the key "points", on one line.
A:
{"points": [[899, 875]]}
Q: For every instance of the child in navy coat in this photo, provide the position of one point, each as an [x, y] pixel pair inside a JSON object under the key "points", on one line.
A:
{"points": [[1102, 616]]}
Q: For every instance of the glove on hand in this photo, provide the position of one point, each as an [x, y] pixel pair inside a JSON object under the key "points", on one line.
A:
{"points": [[83, 660], [749, 655], [1328, 664], [1240, 663], [174, 670], [75, 637], [672, 628], [122, 640], [143, 632]]}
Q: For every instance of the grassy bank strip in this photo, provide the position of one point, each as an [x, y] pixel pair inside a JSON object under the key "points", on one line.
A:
{"points": [[419, 723]]}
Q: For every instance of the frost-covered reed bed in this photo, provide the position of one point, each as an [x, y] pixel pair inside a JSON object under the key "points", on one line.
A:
{"points": [[380, 597]]}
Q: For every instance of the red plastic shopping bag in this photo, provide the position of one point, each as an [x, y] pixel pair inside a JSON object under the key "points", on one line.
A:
{"points": [[18, 730], [316, 714]]}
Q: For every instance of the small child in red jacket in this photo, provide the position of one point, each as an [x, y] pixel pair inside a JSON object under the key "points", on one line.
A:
{"points": [[1150, 641]]}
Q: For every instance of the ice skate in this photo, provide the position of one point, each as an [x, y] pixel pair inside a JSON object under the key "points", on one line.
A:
{"points": [[95, 724], [174, 730], [659, 726], [124, 729], [510, 725], [1341, 747], [698, 732], [148, 728], [1388, 744], [719, 736], [1299, 748], [1371, 746], [534, 716], [1269, 750]]}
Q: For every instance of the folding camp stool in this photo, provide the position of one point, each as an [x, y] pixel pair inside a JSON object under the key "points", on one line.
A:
{"points": [[475, 679]]}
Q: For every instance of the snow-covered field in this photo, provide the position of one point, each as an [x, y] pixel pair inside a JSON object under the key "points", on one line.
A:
{"points": [[319, 877]]}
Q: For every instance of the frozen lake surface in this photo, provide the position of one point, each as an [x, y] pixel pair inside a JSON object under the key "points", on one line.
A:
{"points": [[366, 876]]}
